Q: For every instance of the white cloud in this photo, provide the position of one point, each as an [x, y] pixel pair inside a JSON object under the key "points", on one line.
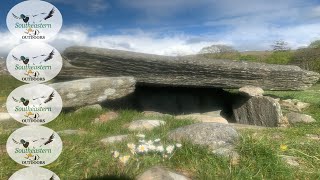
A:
{"points": [[242, 37], [85, 6]]}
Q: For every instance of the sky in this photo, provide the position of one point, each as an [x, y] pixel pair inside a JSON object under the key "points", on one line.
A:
{"points": [[178, 27]]}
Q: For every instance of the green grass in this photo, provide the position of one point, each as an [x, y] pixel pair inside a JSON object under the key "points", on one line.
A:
{"points": [[84, 157]]}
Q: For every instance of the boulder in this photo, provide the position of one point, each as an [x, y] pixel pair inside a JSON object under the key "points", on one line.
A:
{"points": [[71, 132], [191, 71], [203, 118], [159, 173], [108, 116], [259, 111], [114, 139], [5, 117], [93, 90], [220, 138], [97, 107], [145, 124], [293, 105], [251, 91], [294, 117]]}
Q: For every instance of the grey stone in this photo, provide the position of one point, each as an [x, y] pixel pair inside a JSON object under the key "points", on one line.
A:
{"points": [[293, 105], [220, 138], [196, 71], [203, 118], [290, 160], [145, 124], [5, 117], [245, 126], [259, 111], [93, 107], [90, 91], [71, 132], [114, 139], [294, 117], [251, 91], [159, 173]]}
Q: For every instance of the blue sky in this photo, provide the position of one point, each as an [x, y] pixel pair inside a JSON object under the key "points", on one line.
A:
{"points": [[177, 27]]}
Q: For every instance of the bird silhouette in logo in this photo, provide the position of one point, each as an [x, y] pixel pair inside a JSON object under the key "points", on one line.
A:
{"points": [[32, 157], [52, 177], [48, 56], [23, 142], [46, 98], [22, 100], [24, 59], [47, 140], [26, 18]]}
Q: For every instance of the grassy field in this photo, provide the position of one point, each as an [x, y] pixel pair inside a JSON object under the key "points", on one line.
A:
{"points": [[84, 157]]}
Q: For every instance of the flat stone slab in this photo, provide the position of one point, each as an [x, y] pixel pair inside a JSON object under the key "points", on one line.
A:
{"points": [[5, 117], [71, 132], [159, 173], [90, 91], [294, 117], [191, 71], [114, 139], [220, 138], [203, 118], [145, 124]]}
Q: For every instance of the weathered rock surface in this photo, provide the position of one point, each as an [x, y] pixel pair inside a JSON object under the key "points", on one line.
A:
{"points": [[114, 139], [251, 91], [294, 117], [5, 117], [145, 124], [259, 111], [195, 71], [3, 67], [71, 132], [108, 116], [93, 90], [203, 118], [159, 173], [220, 138], [91, 107], [293, 105]]}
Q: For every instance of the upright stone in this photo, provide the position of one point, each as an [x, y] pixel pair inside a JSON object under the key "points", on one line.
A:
{"points": [[259, 111]]}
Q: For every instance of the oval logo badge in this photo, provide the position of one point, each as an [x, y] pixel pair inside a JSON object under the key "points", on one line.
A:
{"points": [[34, 104], [34, 20], [32, 173], [34, 62], [34, 146]]}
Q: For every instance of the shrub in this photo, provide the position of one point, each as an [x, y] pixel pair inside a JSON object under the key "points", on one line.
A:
{"points": [[307, 58], [280, 57]]}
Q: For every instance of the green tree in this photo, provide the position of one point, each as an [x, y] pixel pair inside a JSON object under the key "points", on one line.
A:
{"points": [[307, 58], [280, 45], [315, 44]]}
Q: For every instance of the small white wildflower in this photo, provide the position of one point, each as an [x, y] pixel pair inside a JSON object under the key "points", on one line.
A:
{"points": [[151, 147], [149, 142], [157, 140], [165, 156], [124, 159], [115, 154], [142, 141], [170, 149], [131, 146], [160, 149], [141, 135], [142, 148], [178, 145]]}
